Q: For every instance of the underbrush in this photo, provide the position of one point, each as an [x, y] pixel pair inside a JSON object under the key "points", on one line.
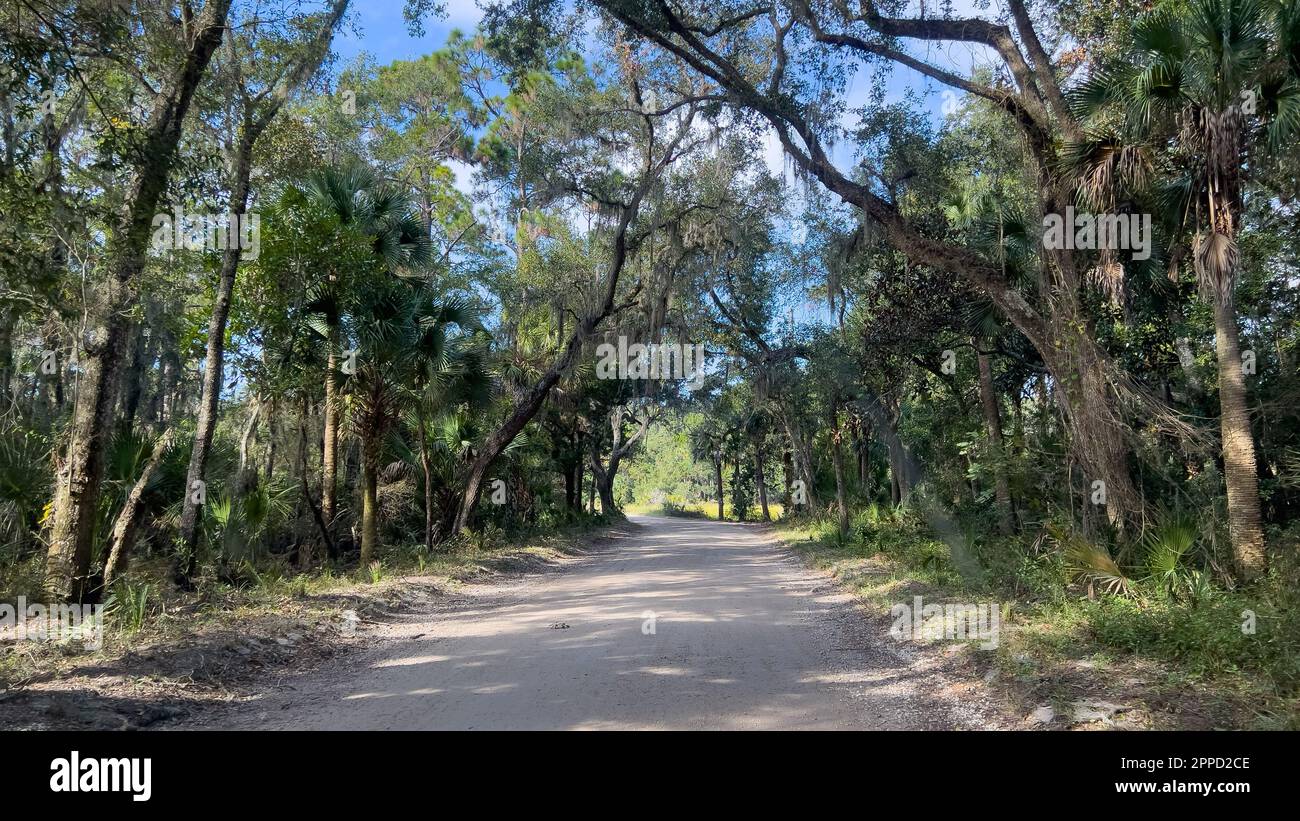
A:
{"points": [[1232, 657], [148, 609]]}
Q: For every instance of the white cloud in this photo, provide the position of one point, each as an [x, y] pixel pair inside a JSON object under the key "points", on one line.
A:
{"points": [[464, 176]]}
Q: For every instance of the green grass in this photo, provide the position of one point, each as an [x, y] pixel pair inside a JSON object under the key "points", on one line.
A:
{"points": [[1185, 650]]}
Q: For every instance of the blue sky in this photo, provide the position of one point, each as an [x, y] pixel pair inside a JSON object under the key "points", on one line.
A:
{"points": [[381, 30]]}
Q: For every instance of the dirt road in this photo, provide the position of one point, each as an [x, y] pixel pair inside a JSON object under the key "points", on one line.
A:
{"points": [[680, 624]]}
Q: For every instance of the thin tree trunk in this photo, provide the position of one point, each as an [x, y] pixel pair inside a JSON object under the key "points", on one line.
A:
{"points": [[369, 501], [787, 474], [331, 549], [271, 439], [330, 448], [214, 363], [579, 471], [6, 355], [993, 422], [426, 464], [802, 457], [245, 440], [837, 462], [140, 358], [737, 508], [761, 480], [128, 520], [717, 473]]}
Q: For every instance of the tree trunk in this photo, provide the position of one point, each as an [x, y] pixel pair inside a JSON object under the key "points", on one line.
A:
{"points": [[802, 455], [330, 447], [717, 473], [6, 355], [606, 490], [140, 358], [736, 507], [993, 422], [242, 478], [1239, 466], [837, 462], [578, 472], [369, 501], [569, 488], [787, 474], [271, 436], [80, 478], [305, 551], [128, 521], [426, 464], [602, 479], [214, 363], [761, 480]]}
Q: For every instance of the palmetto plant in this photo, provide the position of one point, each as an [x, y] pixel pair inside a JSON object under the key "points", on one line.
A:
{"points": [[1218, 81], [1166, 548], [1162, 564], [1091, 564], [23, 490]]}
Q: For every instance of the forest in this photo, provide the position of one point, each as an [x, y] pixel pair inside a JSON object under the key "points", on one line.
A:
{"points": [[1006, 292]]}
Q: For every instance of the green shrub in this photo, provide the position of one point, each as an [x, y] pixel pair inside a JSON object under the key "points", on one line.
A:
{"points": [[1207, 638]]}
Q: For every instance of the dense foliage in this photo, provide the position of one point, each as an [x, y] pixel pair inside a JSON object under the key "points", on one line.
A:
{"points": [[400, 341]]}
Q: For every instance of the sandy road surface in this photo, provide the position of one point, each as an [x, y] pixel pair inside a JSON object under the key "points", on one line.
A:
{"points": [[744, 637]]}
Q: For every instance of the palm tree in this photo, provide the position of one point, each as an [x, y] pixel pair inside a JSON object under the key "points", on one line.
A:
{"points": [[397, 239], [1218, 81], [447, 372]]}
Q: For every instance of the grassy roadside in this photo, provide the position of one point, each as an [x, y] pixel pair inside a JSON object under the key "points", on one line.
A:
{"points": [[1067, 660], [178, 648]]}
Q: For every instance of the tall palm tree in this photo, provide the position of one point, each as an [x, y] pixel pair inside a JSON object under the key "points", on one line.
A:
{"points": [[361, 202], [386, 327], [1208, 92]]}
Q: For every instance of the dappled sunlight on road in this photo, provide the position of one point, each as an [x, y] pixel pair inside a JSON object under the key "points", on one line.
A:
{"points": [[682, 624]]}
